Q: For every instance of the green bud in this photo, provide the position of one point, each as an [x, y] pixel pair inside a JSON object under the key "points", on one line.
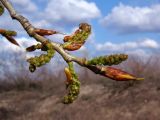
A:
{"points": [[42, 58], [49, 46], [50, 55], [47, 59], [38, 61], [10, 33], [66, 100], [108, 60], [38, 64], [50, 51], [38, 46], [73, 87], [33, 61], [1, 9]]}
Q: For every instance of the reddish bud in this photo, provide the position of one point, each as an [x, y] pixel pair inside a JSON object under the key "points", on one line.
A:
{"points": [[43, 32], [2, 31], [113, 73], [12, 40], [66, 38], [31, 48], [117, 74], [73, 46]]}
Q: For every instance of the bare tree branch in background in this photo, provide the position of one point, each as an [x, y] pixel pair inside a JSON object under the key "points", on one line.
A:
{"points": [[71, 43]]}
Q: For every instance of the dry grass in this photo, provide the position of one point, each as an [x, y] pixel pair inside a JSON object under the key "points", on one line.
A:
{"points": [[24, 96]]}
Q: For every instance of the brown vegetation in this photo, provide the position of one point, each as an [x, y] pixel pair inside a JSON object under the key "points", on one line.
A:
{"points": [[26, 97]]}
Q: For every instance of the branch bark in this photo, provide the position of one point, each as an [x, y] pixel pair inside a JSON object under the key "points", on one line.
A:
{"points": [[98, 65]]}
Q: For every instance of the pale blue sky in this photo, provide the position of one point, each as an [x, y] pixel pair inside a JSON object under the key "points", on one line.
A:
{"points": [[118, 25], [103, 34]]}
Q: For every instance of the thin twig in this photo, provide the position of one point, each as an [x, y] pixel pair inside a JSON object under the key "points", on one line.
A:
{"points": [[30, 30]]}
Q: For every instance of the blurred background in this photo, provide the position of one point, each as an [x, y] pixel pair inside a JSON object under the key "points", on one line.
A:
{"points": [[120, 26]]}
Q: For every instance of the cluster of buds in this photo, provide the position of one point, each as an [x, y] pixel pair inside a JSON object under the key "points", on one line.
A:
{"points": [[76, 40], [72, 84], [98, 66], [1, 9], [8, 34], [38, 61], [107, 60]]}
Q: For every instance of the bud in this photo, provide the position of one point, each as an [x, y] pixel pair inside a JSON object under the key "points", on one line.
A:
{"points": [[31, 48], [73, 93], [32, 68], [9, 33], [68, 75], [72, 84], [44, 48], [12, 40], [113, 73], [78, 38], [47, 59], [34, 47], [66, 38], [32, 61], [117, 74], [108, 60], [85, 27], [43, 32], [72, 46], [1, 9], [50, 53], [38, 64], [38, 61]]}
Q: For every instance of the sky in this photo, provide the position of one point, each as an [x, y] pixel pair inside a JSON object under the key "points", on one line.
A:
{"points": [[118, 26]]}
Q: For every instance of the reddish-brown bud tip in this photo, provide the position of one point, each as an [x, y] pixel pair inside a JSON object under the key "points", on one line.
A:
{"points": [[43, 32], [31, 48], [66, 38], [117, 74], [12, 40]]}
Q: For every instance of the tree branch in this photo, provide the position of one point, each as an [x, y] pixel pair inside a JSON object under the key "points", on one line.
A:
{"points": [[73, 42], [30, 30]]}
